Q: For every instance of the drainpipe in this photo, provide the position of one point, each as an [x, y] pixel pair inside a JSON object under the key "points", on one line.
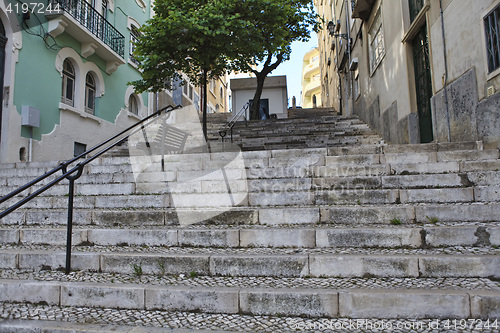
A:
{"points": [[339, 88], [349, 73], [445, 72]]}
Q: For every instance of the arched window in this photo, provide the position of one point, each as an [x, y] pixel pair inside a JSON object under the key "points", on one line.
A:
{"points": [[90, 94], [133, 104], [68, 83]]}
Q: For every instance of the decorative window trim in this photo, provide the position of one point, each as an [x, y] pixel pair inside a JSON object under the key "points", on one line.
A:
{"points": [[81, 71], [142, 110], [376, 33], [141, 4], [490, 74]]}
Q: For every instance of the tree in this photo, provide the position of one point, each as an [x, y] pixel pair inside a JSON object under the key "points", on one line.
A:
{"points": [[188, 36], [274, 26]]}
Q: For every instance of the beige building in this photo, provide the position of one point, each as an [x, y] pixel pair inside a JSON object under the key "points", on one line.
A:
{"points": [[311, 80], [414, 70]]}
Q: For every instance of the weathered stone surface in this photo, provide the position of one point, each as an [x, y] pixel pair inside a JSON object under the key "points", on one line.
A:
{"points": [[155, 264], [437, 195], [360, 266], [365, 237], [8, 260], [129, 218], [451, 236], [462, 103], [423, 168], [278, 216], [356, 196], [286, 198], [367, 214], [9, 236], [105, 296], [40, 260], [299, 302], [460, 266], [399, 158], [29, 292], [409, 304], [52, 236], [149, 237], [183, 298], [487, 194], [259, 265], [208, 237], [485, 304], [422, 181], [277, 238], [458, 213]]}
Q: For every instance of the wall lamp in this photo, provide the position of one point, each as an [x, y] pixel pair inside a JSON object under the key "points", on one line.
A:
{"points": [[333, 30]]}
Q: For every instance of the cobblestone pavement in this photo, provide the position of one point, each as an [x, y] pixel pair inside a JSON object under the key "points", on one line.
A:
{"points": [[238, 323], [258, 282], [455, 250]]}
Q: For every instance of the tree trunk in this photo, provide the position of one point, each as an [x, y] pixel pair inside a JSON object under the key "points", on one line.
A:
{"points": [[255, 111]]}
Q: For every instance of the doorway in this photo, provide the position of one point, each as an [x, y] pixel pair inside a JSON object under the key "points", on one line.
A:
{"points": [[423, 83]]}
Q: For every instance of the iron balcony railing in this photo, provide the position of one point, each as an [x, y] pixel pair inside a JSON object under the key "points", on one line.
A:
{"points": [[94, 22], [72, 173]]}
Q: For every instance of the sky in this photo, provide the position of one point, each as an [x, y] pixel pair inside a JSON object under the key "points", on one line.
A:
{"points": [[293, 67]]}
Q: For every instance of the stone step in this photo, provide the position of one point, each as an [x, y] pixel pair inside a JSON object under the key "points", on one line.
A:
{"points": [[383, 236], [287, 208], [312, 297], [321, 262], [36, 325]]}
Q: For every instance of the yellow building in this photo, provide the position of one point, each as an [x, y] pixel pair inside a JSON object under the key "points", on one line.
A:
{"points": [[311, 80]]}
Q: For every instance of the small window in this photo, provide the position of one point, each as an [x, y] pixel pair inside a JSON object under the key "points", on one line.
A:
{"points": [[68, 83], [90, 94], [134, 37], [133, 104], [376, 42], [492, 31], [79, 148]]}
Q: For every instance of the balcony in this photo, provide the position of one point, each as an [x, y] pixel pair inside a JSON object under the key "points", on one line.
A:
{"points": [[362, 9], [96, 35]]}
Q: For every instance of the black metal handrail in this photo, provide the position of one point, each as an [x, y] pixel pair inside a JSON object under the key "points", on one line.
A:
{"points": [[91, 19], [75, 172], [230, 124]]}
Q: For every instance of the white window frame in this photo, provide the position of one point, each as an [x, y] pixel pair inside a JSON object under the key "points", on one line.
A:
{"points": [[68, 78], [90, 94], [376, 45]]}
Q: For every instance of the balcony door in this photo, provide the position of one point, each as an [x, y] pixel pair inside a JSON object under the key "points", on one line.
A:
{"points": [[423, 83]]}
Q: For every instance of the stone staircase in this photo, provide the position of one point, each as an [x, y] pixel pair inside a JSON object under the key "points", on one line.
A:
{"points": [[308, 239], [304, 128]]}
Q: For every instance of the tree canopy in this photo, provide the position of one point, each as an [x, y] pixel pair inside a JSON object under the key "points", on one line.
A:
{"points": [[206, 38]]}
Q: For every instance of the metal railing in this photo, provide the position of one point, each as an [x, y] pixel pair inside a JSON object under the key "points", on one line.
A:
{"points": [[230, 124], [75, 172], [93, 21]]}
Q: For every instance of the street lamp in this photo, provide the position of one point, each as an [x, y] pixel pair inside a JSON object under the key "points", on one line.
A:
{"points": [[333, 28]]}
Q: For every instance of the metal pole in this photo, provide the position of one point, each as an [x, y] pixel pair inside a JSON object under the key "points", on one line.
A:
{"points": [[70, 225]]}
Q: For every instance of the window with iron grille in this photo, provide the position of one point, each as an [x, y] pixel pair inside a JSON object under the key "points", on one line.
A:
{"points": [[376, 42], [492, 31], [134, 37]]}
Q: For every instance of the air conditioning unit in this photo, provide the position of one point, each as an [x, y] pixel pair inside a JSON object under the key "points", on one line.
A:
{"points": [[30, 116], [353, 65]]}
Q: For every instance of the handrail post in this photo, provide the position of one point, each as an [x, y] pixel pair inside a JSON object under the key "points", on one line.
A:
{"points": [[70, 225], [71, 196]]}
